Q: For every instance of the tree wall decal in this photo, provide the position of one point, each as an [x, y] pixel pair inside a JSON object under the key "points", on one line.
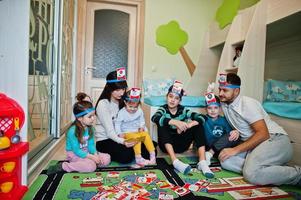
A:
{"points": [[173, 38]]}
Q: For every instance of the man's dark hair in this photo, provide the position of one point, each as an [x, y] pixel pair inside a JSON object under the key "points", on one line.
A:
{"points": [[233, 79]]}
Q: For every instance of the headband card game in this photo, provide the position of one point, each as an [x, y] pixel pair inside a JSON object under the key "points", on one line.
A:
{"points": [[177, 87], [121, 73], [135, 94]]}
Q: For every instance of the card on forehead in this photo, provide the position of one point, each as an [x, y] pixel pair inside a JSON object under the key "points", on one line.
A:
{"points": [[177, 86], [210, 98], [121, 73], [222, 79], [135, 93]]}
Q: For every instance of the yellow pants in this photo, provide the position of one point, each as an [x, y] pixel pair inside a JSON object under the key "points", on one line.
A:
{"points": [[147, 141]]}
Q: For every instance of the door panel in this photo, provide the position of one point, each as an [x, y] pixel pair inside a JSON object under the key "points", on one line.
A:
{"points": [[110, 43]]}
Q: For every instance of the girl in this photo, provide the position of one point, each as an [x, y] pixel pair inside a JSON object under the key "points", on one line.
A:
{"points": [[130, 124], [107, 107], [178, 127], [80, 145]]}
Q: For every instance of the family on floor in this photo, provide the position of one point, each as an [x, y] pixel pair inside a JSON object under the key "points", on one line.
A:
{"points": [[245, 139]]}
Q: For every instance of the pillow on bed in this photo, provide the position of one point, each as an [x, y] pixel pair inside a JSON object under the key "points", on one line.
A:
{"points": [[156, 87], [289, 91]]}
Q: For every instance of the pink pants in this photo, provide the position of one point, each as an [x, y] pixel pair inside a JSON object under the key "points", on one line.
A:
{"points": [[84, 164]]}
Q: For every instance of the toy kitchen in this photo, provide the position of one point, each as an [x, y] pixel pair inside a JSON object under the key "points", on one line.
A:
{"points": [[12, 148]]}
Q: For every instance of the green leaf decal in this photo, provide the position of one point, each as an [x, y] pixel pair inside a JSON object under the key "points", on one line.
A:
{"points": [[171, 36], [226, 12]]}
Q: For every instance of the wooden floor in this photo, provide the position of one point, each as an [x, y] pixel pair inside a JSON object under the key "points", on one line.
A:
{"points": [[58, 153]]}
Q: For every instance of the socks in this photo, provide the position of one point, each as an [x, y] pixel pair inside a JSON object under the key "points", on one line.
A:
{"points": [[202, 166], [152, 158], [208, 156], [181, 167], [141, 161]]}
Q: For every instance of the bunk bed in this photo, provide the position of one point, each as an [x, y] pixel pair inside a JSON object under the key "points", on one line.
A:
{"points": [[258, 29], [270, 34]]}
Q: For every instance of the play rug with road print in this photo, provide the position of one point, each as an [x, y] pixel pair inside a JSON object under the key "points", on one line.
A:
{"points": [[160, 181]]}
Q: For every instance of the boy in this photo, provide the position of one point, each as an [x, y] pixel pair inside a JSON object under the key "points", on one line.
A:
{"points": [[218, 133]]}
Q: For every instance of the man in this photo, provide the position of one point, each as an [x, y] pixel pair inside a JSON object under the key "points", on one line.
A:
{"points": [[265, 146]]}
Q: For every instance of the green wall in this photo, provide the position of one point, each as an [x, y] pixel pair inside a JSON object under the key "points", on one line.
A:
{"points": [[193, 16]]}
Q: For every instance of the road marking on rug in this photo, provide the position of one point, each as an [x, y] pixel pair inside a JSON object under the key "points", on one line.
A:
{"points": [[43, 196], [49, 185], [171, 176]]}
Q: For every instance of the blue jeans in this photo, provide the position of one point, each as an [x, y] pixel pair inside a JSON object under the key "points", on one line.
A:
{"points": [[265, 164]]}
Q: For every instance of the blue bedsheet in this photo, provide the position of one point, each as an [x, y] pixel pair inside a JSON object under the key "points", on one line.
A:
{"points": [[290, 110], [187, 101]]}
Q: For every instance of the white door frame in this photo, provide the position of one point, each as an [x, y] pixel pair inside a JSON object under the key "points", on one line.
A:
{"points": [[137, 69]]}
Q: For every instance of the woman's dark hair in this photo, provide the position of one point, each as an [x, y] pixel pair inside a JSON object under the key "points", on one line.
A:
{"points": [[110, 87], [170, 90], [233, 79], [78, 107]]}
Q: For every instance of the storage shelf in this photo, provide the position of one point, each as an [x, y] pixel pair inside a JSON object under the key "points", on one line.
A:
{"points": [[232, 69]]}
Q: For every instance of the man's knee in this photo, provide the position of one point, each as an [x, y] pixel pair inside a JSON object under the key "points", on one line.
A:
{"points": [[231, 165], [254, 175]]}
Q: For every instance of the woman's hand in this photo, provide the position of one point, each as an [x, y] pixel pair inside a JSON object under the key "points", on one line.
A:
{"points": [[140, 129], [234, 135]]}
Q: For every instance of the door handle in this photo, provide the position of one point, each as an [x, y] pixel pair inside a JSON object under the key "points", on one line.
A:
{"points": [[92, 68], [88, 69]]}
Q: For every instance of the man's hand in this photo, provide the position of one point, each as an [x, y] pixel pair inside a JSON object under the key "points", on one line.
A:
{"points": [[234, 135], [227, 153]]}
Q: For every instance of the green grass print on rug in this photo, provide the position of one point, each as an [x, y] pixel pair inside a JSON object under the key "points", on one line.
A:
{"points": [[196, 175], [38, 183], [35, 187], [70, 185]]}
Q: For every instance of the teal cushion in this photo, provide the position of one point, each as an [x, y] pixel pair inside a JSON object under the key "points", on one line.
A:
{"points": [[279, 91], [290, 110], [187, 101]]}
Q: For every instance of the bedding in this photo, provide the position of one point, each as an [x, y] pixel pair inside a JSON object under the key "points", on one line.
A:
{"points": [[283, 91], [187, 101], [290, 110]]}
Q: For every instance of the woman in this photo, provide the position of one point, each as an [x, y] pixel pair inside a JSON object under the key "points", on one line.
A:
{"points": [[107, 107]]}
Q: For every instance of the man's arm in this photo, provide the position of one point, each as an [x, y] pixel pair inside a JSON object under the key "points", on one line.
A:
{"points": [[261, 134]]}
